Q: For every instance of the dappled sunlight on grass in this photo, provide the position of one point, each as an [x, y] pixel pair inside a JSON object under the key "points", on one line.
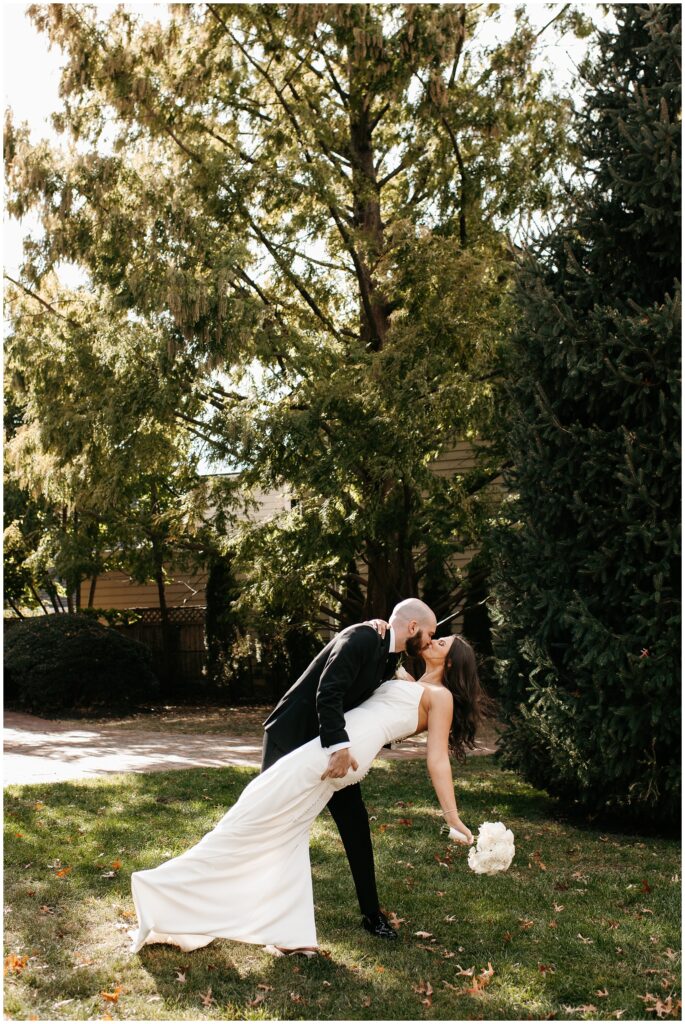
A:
{"points": [[579, 912]]}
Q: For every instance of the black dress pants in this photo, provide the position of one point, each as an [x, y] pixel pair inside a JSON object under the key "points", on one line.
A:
{"points": [[352, 820]]}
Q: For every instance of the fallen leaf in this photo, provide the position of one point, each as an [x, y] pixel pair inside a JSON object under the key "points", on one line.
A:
{"points": [[424, 988], [646, 887], [552, 924], [295, 997], [588, 942], [396, 921], [525, 923], [558, 907], [45, 909], [112, 997], [662, 1007], [602, 992], [379, 968], [256, 1001], [423, 935], [461, 971], [116, 864], [62, 873], [670, 953], [270, 988], [326, 984], [366, 1001], [405, 821], [15, 964], [507, 936], [206, 997], [39, 805], [546, 968], [181, 977]]}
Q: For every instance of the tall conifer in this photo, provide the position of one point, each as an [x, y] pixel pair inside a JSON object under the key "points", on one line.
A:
{"points": [[587, 601]]}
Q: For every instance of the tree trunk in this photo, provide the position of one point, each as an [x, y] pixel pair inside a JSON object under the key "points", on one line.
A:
{"points": [[91, 592], [167, 640], [392, 576], [366, 206], [37, 597]]}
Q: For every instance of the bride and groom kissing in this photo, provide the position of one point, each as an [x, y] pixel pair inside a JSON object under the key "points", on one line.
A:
{"points": [[249, 878]]}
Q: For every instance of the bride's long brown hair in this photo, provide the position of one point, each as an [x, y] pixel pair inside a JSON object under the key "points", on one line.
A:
{"points": [[472, 705]]}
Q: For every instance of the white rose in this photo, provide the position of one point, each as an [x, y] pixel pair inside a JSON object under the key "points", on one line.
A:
{"points": [[494, 849]]}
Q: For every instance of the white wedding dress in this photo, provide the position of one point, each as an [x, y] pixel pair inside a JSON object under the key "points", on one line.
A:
{"points": [[249, 879]]}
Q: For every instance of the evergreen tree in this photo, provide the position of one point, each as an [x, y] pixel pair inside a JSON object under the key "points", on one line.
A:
{"points": [[588, 567]]}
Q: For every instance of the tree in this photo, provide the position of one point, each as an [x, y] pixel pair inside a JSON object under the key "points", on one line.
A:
{"points": [[587, 600], [313, 201], [102, 476]]}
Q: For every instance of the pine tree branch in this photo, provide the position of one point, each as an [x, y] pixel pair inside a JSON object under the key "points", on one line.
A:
{"points": [[292, 277], [43, 302], [551, 21]]}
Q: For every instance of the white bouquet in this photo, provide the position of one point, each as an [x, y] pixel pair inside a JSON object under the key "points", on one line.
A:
{"points": [[494, 849]]}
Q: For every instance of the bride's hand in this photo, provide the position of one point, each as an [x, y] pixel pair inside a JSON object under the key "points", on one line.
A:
{"points": [[459, 833], [380, 625]]}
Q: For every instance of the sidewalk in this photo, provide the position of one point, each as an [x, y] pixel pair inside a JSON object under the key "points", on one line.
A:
{"points": [[39, 750]]}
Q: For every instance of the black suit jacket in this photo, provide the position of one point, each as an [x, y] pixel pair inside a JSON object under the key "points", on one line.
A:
{"points": [[344, 674]]}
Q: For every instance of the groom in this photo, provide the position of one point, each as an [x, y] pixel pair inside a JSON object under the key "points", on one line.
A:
{"points": [[343, 674]]}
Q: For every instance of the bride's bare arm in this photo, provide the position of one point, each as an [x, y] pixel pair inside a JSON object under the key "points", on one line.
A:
{"points": [[440, 713]]}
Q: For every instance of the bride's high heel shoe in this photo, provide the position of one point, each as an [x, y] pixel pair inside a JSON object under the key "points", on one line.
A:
{"points": [[308, 951]]}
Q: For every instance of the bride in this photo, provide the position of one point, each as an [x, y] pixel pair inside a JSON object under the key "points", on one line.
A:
{"points": [[249, 878]]}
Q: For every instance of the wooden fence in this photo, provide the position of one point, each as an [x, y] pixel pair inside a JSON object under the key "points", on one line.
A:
{"points": [[187, 640]]}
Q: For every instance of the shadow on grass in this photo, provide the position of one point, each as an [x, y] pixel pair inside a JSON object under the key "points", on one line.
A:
{"points": [[103, 831]]}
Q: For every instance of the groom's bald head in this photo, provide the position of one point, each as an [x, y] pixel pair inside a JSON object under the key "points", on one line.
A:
{"points": [[413, 623]]}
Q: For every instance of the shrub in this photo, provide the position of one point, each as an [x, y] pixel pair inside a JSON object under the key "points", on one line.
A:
{"points": [[72, 663]]}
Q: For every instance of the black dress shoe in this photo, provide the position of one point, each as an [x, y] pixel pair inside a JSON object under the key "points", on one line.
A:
{"points": [[377, 924]]}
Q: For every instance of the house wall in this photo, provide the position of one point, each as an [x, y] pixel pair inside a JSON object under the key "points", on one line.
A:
{"points": [[116, 590]]}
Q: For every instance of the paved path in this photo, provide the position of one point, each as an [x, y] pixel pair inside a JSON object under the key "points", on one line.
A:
{"points": [[39, 750]]}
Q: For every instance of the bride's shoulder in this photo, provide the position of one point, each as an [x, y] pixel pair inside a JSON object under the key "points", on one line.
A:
{"points": [[439, 699]]}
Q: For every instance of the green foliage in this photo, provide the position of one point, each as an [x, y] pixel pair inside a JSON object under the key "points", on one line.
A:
{"points": [[71, 663], [314, 223], [587, 594]]}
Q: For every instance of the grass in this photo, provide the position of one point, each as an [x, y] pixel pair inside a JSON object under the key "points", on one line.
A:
{"points": [[583, 925]]}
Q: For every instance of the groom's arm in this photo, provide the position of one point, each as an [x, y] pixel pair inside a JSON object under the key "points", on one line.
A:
{"points": [[347, 658]]}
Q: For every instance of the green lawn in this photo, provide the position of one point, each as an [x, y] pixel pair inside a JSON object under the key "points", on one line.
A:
{"points": [[584, 924]]}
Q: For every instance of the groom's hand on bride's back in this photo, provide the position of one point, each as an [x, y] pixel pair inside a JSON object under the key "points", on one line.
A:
{"points": [[339, 763]]}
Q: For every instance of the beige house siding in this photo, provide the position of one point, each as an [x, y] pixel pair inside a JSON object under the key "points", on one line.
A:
{"points": [[116, 590]]}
